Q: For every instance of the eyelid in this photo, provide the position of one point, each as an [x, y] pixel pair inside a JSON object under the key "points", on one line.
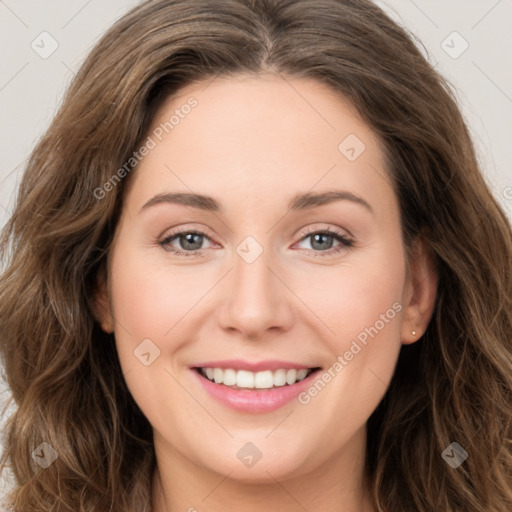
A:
{"points": [[168, 233], [323, 229], [203, 230]]}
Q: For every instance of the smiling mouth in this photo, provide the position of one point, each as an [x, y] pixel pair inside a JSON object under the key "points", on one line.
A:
{"points": [[263, 380]]}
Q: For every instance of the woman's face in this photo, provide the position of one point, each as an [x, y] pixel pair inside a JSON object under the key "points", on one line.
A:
{"points": [[296, 264]]}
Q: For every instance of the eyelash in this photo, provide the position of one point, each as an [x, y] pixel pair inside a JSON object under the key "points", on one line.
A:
{"points": [[345, 242]]}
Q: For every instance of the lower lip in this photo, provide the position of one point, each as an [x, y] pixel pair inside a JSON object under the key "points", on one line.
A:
{"points": [[255, 400]]}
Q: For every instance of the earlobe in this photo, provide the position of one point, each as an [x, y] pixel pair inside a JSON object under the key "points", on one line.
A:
{"points": [[102, 307], [419, 292]]}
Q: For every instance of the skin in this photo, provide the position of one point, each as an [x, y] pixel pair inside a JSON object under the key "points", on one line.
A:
{"points": [[252, 142]]}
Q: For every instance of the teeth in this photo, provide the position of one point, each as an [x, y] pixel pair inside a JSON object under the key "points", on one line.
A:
{"points": [[229, 377], [279, 377], [255, 380], [291, 376], [218, 375], [244, 379], [263, 380], [301, 374]]}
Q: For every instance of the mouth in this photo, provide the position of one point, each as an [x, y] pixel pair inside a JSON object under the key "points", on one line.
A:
{"points": [[262, 380], [254, 387]]}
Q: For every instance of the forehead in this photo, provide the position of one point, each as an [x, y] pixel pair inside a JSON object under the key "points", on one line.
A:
{"points": [[257, 137]]}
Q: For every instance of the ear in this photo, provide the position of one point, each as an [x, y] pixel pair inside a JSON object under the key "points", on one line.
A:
{"points": [[419, 291], [101, 303]]}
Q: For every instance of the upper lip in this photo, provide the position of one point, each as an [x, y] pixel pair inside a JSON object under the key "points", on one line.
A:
{"points": [[253, 366]]}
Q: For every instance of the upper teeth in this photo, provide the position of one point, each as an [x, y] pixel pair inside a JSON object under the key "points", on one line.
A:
{"points": [[258, 380]]}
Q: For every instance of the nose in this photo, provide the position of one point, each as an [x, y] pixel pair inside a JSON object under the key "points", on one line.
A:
{"points": [[259, 300]]}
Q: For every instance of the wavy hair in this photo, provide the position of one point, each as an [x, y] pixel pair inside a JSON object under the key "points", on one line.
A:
{"points": [[455, 384]]}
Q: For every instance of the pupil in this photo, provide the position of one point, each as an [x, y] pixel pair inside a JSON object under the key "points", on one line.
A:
{"points": [[321, 236], [189, 239]]}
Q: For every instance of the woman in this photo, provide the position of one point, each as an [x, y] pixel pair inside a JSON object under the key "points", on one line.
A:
{"points": [[247, 370]]}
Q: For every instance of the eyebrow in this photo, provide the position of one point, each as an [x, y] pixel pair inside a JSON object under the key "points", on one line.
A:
{"points": [[298, 202]]}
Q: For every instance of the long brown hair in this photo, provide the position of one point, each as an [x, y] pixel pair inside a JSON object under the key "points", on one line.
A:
{"points": [[454, 385]]}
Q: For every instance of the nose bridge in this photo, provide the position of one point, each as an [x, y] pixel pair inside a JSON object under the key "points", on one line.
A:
{"points": [[256, 299], [252, 278]]}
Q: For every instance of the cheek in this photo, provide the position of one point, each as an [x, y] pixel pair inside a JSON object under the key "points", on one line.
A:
{"points": [[151, 300], [360, 306], [359, 300]]}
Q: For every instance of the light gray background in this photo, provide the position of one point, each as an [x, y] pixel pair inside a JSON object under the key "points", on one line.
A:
{"points": [[31, 87]]}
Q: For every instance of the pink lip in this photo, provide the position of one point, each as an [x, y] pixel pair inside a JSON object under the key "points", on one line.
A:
{"points": [[254, 400], [240, 364]]}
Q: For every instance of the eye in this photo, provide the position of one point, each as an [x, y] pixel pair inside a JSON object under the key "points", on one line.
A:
{"points": [[321, 242], [191, 241]]}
